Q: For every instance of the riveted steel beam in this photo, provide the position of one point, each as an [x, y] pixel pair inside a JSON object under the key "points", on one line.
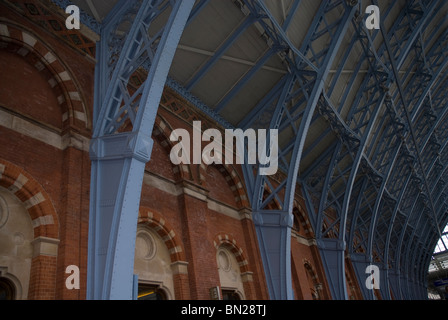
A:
{"points": [[119, 154]]}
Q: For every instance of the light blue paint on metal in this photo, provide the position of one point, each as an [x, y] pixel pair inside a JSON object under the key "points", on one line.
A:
{"points": [[394, 271], [376, 209], [278, 272], [274, 233], [291, 14], [115, 197], [399, 265], [326, 185], [394, 282], [135, 284], [197, 10], [198, 103], [259, 8], [118, 159], [267, 100], [333, 259], [360, 262], [401, 59], [408, 118], [384, 282], [415, 253]]}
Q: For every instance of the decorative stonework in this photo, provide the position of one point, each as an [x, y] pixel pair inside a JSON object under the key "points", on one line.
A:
{"points": [[155, 221], [227, 241], [4, 212], [146, 247], [44, 13], [224, 261], [43, 246]]}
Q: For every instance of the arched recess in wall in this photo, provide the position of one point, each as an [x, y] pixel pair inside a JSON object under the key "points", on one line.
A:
{"points": [[23, 42], [16, 250], [43, 236], [233, 267], [10, 286], [159, 257]]}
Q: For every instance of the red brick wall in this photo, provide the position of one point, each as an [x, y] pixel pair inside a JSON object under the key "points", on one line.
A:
{"points": [[39, 102], [43, 278], [218, 187], [74, 217]]}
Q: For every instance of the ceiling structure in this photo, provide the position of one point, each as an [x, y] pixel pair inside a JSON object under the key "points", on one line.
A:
{"points": [[362, 114]]}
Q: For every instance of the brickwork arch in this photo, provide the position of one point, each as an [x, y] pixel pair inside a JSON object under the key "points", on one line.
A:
{"points": [[157, 223], [34, 198], [230, 243], [314, 279], [303, 219], [17, 39], [162, 132], [233, 180], [309, 267]]}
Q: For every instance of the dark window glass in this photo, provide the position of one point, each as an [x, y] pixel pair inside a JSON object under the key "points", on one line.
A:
{"points": [[230, 295], [147, 292], [6, 289]]}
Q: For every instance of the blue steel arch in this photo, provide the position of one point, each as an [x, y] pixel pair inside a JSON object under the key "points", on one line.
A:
{"points": [[305, 83], [119, 158]]}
